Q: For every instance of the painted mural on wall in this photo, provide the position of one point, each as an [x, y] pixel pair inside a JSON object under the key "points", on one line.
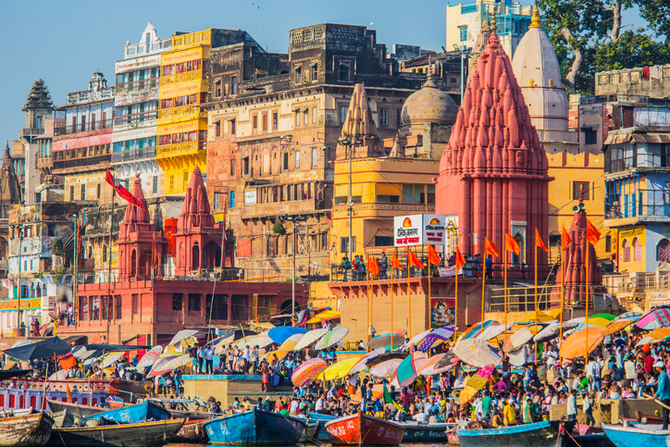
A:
{"points": [[442, 312]]}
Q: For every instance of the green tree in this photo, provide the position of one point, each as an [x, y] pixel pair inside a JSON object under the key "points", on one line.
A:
{"points": [[657, 14]]}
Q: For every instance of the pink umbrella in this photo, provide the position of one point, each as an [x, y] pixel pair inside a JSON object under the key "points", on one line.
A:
{"points": [[430, 367], [654, 319], [308, 371]]}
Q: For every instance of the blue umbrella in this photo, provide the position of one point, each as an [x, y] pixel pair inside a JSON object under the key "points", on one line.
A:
{"points": [[280, 334]]}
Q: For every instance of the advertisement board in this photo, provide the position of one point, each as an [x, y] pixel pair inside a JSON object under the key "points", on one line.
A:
{"points": [[419, 229]]}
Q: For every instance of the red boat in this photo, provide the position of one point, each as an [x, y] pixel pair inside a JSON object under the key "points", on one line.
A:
{"points": [[361, 428]]}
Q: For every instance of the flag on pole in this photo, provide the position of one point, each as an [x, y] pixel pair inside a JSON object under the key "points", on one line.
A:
{"points": [[490, 248], [565, 239], [395, 262], [413, 260], [538, 241], [389, 399], [123, 192], [592, 233], [433, 258], [373, 267], [512, 245], [460, 260]]}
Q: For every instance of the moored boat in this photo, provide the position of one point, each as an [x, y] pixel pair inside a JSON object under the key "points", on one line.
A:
{"points": [[32, 430], [145, 411], [415, 432], [361, 428], [74, 409], [638, 435], [192, 432], [143, 434], [255, 428], [538, 434], [322, 419]]}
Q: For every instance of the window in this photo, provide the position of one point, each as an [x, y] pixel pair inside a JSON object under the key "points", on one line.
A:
{"points": [[383, 241], [72, 193], [194, 302], [383, 117], [99, 190], [217, 129], [136, 304], [343, 71], [580, 190], [463, 33], [275, 118], [297, 118], [177, 301], [232, 167], [245, 166], [216, 200], [626, 250], [217, 89], [232, 199], [313, 115], [590, 135], [298, 75], [264, 122], [185, 179], [305, 116], [171, 182], [663, 251], [343, 114], [154, 185], [83, 192], [285, 161], [297, 159], [104, 253], [254, 122], [608, 243], [233, 85], [385, 198], [233, 127], [315, 154], [344, 244], [315, 72], [637, 250]]}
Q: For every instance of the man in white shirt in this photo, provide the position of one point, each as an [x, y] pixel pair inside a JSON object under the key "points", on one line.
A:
{"points": [[571, 408], [245, 358], [209, 359], [593, 374], [629, 367], [320, 405]]}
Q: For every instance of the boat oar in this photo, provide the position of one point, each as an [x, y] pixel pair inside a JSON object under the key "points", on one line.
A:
{"points": [[656, 400]]}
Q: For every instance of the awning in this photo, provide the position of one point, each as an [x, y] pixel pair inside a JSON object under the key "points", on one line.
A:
{"points": [[325, 315], [635, 137]]}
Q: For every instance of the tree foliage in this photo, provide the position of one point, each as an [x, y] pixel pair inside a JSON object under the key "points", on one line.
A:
{"points": [[657, 14]]}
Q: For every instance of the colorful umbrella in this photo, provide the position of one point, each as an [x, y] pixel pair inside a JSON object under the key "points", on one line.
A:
{"points": [[477, 353], [655, 336], [183, 335], [308, 371], [377, 393], [435, 337], [520, 338], [385, 340], [281, 333], [331, 338], [269, 356], [449, 360], [491, 332], [473, 330], [340, 369], [430, 366], [475, 382], [416, 339], [598, 320], [622, 322], [310, 338], [290, 342], [385, 368], [575, 344], [178, 362], [362, 363], [160, 367], [407, 371], [323, 316], [655, 318], [110, 359], [530, 318], [553, 330], [260, 340]]}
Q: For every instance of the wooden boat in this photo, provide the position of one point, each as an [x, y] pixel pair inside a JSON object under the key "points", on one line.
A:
{"points": [[538, 434], [415, 432], [322, 419], [646, 418], [192, 432], [143, 434], [145, 411], [32, 430], [361, 428], [636, 435], [585, 436], [255, 428], [310, 433], [77, 410]]}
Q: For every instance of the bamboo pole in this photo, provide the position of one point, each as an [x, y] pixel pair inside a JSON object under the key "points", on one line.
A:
{"points": [[535, 303], [392, 269]]}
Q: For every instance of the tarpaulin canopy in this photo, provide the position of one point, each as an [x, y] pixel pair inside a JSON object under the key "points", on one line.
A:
{"points": [[325, 315], [281, 333], [41, 350], [477, 353], [310, 338]]}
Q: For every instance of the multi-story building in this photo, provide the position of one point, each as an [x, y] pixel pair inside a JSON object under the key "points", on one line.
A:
{"points": [[136, 112], [464, 22], [274, 124]]}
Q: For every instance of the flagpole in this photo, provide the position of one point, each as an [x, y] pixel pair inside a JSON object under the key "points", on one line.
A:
{"points": [[367, 303], [392, 269], [535, 301], [586, 356], [370, 291], [456, 302], [409, 299], [483, 312], [560, 336], [505, 289]]}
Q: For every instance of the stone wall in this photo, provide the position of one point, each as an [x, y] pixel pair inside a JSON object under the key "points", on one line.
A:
{"points": [[609, 411], [632, 82]]}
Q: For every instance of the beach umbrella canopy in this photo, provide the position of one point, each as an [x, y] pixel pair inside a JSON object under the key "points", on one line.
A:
{"points": [[161, 366], [552, 331], [622, 322], [377, 393], [323, 316], [520, 338], [308, 371], [385, 340], [475, 329], [260, 340], [238, 334], [110, 359], [655, 318], [46, 349], [435, 337], [150, 357], [282, 333], [340, 369], [449, 360], [575, 344], [416, 339], [530, 317], [430, 368], [362, 363], [178, 362], [290, 342], [491, 332], [407, 371], [310, 337], [477, 353], [655, 336], [183, 335], [598, 320], [331, 338], [385, 368], [474, 383], [269, 356]]}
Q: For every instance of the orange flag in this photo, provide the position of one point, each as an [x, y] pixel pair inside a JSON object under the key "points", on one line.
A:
{"points": [[412, 260], [565, 239], [433, 258], [490, 248], [460, 259], [395, 262], [512, 245], [592, 233], [373, 267], [538, 241], [68, 393]]}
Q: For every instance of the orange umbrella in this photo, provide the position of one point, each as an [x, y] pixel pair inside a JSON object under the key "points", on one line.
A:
{"points": [[377, 392], [654, 336], [575, 345]]}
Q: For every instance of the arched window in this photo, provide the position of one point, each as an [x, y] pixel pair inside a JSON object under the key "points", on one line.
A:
{"points": [[637, 250], [663, 250], [195, 257], [626, 250]]}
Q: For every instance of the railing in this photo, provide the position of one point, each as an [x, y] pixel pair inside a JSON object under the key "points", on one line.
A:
{"points": [[174, 150], [83, 127], [30, 132], [179, 111], [183, 77], [136, 49], [45, 162], [143, 117], [137, 85], [80, 162], [134, 154], [522, 299]]}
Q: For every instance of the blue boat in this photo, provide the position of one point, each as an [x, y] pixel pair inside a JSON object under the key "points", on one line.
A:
{"points": [[637, 435], [321, 433], [415, 432], [538, 434], [255, 428], [133, 414]]}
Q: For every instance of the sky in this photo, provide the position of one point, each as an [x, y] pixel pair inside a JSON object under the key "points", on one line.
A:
{"points": [[64, 42]]}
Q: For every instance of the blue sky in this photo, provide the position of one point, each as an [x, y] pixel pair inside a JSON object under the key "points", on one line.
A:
{"points": [[65, 42]]}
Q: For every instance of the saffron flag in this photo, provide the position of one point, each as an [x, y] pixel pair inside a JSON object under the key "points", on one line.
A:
{"points": [[395, 262], [433, 258], [68, 393], [512, 245], [460, 259], [123, 192], [413, 260], [538, 241], [490, 248], [373, 267], [565, 239], [389, 399], [592, 233]]}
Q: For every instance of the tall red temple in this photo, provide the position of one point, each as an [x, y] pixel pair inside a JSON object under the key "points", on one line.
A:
{"points": [[493, 172]]}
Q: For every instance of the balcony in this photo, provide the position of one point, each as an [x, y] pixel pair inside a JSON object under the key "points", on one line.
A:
{"points": [[89, 163], [136, 86], [45, 163], [24, 133], [134, 155], [641, 210], [183, 77], [82, 127], [182, 149], [184, 111]]}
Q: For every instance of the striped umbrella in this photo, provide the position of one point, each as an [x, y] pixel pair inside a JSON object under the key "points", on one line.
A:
{"points": [[622, 322], [161, 366], [655, 336], [150, 357], [362, 363], [407, 371], [435, 337], [655, 318], [331, 338], [308, 371], [430, 366], [340, 369], [385, 368], [475, 383], [474, 330]]}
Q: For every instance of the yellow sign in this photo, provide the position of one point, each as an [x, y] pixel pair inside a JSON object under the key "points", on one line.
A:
{"points": [[28, 303], [177, 128], [181, 56], [182, 89]]}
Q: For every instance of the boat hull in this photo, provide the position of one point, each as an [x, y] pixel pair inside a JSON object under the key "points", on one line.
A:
{"points": [[81, 411], [192, 432], [146, 434], [636, 437], [25, 431], [539, 434], [132, 414], [360, 429], [426, 432], [592, 440], [255, 428]]}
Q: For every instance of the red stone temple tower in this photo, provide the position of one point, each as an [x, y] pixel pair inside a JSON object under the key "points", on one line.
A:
{"points": [[493, 172]]}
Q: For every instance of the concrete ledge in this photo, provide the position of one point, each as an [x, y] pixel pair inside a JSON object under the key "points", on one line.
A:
{"points": [[217, 377]]}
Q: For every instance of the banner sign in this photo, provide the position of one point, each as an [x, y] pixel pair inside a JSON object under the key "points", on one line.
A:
{"points": [[442, 311], [419, 229]]}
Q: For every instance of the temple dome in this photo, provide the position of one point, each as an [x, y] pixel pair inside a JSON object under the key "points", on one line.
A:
{"points": [[429, 105]]}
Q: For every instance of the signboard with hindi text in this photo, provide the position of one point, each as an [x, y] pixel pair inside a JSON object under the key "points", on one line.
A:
{"points": [[419, 229]]}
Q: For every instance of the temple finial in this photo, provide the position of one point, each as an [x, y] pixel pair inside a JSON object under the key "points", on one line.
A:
{"points": [[535, 21], [493, 26]]}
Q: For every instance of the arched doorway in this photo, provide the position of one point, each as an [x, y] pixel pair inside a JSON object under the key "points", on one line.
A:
{"points": [[209, 258], [195, 257], [133, 264]]}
